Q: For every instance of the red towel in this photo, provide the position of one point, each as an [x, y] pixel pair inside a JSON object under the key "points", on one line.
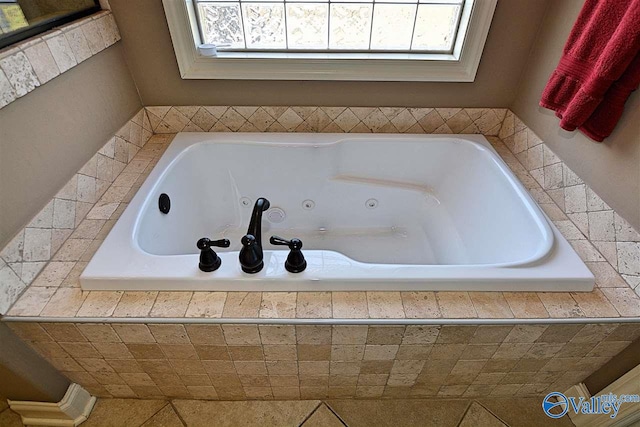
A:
{"points": [[599, 68]]}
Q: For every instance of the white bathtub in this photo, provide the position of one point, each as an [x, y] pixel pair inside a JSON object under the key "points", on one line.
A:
{"points": [[374, 212]]}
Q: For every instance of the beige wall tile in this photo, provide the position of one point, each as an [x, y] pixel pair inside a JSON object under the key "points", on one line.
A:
{"points": [[242, 304], [241, 334], [485, 334], [277, 334], [626, 302], [99, 304], [205, 334], [280, 352], [414, 352], [313, 334], [206, 304], [349, 305], [313, 352], [385, 305], [347, 352], [594, 304], [454, 334], [215, 368], [420, 334], [380, 352], [526, 333], [622, 332], [187, 366], [278, 305], [30, 331], [455, 305], [212, 352], [171, 304], [64, 303], [135, 304], [179, 351], [250, 368], [349, 334], [32, 301], [124, 366], [145, 351], [420, 305], [134, 333], [246, 352], [169, 334], [66, 332], [385, 334], [282, 368], [479, 351], [560, 304], [314, 305], [526, 305], [112, 350], [560, 333], [491, 305], [98, 332]]}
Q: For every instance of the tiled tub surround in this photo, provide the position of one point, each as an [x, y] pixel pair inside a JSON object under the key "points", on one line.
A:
{"points": [[164, 344], [33, 62], [56, 293], [279, 361], [62, 231]]}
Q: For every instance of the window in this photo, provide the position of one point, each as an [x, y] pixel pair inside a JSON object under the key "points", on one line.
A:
{"points": [[331, 25], [22, 19], [377, 40]]}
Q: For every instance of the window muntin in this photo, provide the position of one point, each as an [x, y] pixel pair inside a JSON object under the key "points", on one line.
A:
{"points": [[360, 26]]}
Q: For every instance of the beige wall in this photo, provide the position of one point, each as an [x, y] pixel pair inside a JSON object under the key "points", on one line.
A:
{"points": [[48, 135], [150, 55], [611, 168]]}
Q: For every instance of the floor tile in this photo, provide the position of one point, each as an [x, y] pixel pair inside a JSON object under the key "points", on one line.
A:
{"points": [[122, 412], [525, 412], [3, 404], [166, 417], [323, 417], [397, 413], [8, 418], [478, 416], [198, 413]]}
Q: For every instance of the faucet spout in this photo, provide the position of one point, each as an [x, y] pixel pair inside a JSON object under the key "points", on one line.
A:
{"points": [[251, 255], [255, 225]]}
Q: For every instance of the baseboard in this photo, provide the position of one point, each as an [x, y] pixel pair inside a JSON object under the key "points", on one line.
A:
{"points": [[72, 410], [629, 413]]}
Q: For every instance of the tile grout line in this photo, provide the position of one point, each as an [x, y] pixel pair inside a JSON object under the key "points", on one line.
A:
{"points": [[465, 412], [153, 415], [491, 412], [335, 413], [310, 414], [184, 423]]}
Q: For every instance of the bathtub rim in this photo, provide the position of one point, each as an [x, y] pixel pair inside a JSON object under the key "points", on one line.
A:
{"points": [[581, 280]]}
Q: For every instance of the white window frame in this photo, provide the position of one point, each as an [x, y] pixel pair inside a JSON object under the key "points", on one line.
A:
{"points": [[460, 66]]}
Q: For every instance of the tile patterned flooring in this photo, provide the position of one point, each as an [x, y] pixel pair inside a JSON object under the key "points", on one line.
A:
{"points": [[314, 413]]}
